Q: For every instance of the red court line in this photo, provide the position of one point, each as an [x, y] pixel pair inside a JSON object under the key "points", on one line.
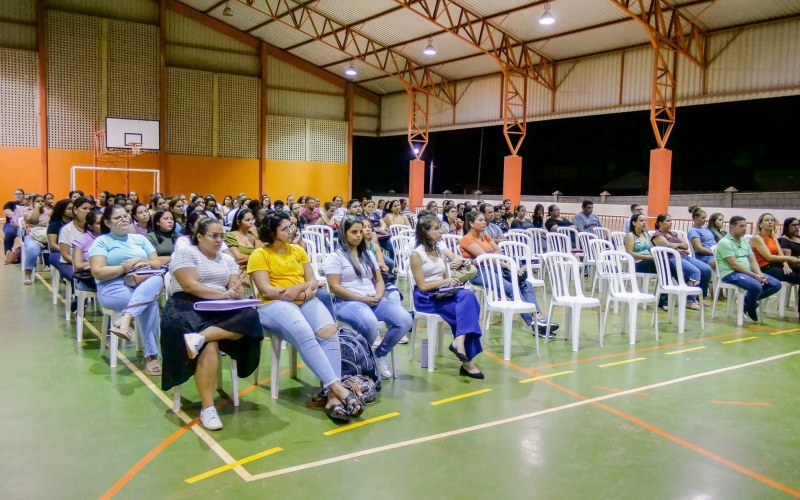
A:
{"points": [[656, 430], [121, 482], [646, 349], [610, 389], [743, 403]]}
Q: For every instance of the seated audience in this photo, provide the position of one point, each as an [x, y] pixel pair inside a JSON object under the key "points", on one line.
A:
{"points": [[405, 209], [451, 224], [538, 216], [636, 209], [62, 215], [695, 272], [102, 200], [385, 263], [338, 210], [520, 220], [71, 231], [227, 205], [554, 219], [354, 209], [111, 257], [492, 229], [790, 239], [327, 217], [178, 209], [393, 215], [133, 197], [701, 237], [586, 220], [80, 251], [460, 311], [10, 230], [163, 236], [432, 206], [357, 286], [738, 266], [191, 341], [212, 208], [310, 211], [475, 243], [242, 239], [35, 240], [285, 281], [299, 220], [501, 218], [141, 220], [769, 256], [715, 223], [266, 202], [638, 244], [379, 227]]}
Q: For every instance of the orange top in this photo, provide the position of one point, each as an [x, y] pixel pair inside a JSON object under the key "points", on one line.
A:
{"points": [[774, 249], [485, 242]]}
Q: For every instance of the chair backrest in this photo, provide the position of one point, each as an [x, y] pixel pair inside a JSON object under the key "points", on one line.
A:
{"points": [[685, 237], [747, 237], [452, 241], [571, 233], [315, 246], [558, 243], [562, 268], [519, 236], [402, 246], [593, 249], [327, 234], [584, 238], [617, 266], [618, 239], [406, 232], [520, 252], [22, 228], [662, 257], [413, 221], [538, 240], [394, 229], [602, 232], [491, 266]]}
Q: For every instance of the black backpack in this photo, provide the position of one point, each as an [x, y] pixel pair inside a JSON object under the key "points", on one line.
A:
{"points": [[357, 356]]}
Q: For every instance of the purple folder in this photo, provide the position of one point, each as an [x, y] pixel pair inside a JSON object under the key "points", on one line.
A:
{"points": [[225, 304]]}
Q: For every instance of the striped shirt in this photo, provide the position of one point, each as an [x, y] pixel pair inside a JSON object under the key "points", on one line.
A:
{"points": [[214, 274]]}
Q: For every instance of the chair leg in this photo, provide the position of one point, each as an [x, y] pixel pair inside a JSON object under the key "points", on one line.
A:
{"points": [[68, 301], [79, 319], [739, 309], [55, 278], [716, 297], [575, 324], [103, 332], [114, 342], [632, 307], [275, 367], [394, 372], [655, 317], [681, 312], [413, 338], [176, 399], [508, 321], [235, 381], [433, 327], [292, 362]]}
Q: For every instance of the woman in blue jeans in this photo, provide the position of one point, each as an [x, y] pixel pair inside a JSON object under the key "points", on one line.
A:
{"points": [[285, 281], [695, 272], [113, 255], [701, 238], [356, 283]]}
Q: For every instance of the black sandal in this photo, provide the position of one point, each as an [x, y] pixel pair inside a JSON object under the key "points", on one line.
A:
{"points": [[461, 357], [338, 413], [352, 402]]}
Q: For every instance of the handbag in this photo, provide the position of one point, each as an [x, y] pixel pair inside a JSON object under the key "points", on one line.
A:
{"points": [[445, 293], [134, 278], [388, 277]]}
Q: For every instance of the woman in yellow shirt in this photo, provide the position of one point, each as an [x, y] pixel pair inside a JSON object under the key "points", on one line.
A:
{"points": [[285, 281]]}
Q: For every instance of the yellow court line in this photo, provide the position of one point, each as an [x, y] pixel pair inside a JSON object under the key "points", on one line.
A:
{"points": [[685, 350], [243, 461], [621, 362], [540, 377], [456, 398], [740, 340], [786, 331], [360, 424]]}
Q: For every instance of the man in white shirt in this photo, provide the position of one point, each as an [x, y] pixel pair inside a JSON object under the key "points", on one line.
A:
{"points": [[339, 211], [404, 210]]}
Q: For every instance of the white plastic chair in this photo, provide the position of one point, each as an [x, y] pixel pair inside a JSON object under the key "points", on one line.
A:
{"points": [[561, 269], [560, 243], [616, 268], [55, 280], [734, 293], [583, 242], [81, 296], [618, 240], [592, 252], [521, 254], [402, 246], [327, 234], [572, 235], [538, 248], [491, 270], [452, 242], [785, 295], [109, 318], [176, 391], [317, 249], [679, 291], [603, 233], [435, 336], [394, 229], [685, 237]]}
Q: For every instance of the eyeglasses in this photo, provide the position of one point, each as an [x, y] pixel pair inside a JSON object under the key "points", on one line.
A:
{"points": [[121, 217], [18, 193], [214, 236]]}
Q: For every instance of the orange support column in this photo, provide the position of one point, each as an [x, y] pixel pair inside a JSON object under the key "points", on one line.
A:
{"points": [[512, 178], [660, 174], [416, 183]]}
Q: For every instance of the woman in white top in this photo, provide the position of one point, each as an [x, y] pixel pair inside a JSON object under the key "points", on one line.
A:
{"points": [[202, 272], [356, 283], [80, 209], [430, 272]]}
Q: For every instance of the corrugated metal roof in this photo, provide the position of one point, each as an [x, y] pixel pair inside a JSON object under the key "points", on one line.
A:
{"points": [[244, 18], [474, 66], [352, 12], [625, 34], [724, 13], [397, 27], [280, 35], [183, 30]]}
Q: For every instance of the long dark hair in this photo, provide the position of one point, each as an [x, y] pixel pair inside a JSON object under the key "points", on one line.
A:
{"points": [[424, 224], [91, 218], [159, 234], [469, 219], [105, 225], [634, 218], [661, 218], [202, 228], [269, 226], [538, 219], [238, 219], [60, 209], [786, 223], [149, 224], [187, 229], [364, 259]]}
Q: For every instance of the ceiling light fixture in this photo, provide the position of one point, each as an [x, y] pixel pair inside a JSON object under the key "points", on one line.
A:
{"points": [[227, 12], [547, 17], [351, 70], [430, 50]]}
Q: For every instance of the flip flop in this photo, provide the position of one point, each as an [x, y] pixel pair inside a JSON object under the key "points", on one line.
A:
{"points": [[121, 332], [27, 282]]}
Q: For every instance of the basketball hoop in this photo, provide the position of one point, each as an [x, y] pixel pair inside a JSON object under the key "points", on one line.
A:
{"points": [[136, 148]]}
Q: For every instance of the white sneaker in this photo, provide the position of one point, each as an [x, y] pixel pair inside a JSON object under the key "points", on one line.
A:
{"points": [[404, 340], [194, 342], [377, 342], [383, 367], [210, 419]]}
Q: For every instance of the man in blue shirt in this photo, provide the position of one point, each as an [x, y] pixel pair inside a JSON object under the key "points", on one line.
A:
{"points": [[586, 220]]}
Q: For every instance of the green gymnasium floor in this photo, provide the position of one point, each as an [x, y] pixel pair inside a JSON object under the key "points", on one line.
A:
{"points": [[716, 421]]}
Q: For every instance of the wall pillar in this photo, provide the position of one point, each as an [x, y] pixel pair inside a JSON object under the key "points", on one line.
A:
{"points": [[262, 121], [416, 183], [512, 179], [660, 175], [162, 94], [41, 37]]}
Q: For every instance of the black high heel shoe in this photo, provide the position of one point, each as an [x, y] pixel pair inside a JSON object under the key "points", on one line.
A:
{"points": [[461, 357], [478, 375]]}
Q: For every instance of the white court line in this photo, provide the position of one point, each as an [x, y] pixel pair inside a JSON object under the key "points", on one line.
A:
{"points": [[201, 433], [410, 442]]}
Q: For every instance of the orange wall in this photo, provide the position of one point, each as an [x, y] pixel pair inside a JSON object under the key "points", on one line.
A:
{"points": [[301, 178], [20, 167]]}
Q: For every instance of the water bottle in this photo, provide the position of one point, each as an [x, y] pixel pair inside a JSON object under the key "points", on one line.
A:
{"points": [[424, 352]]}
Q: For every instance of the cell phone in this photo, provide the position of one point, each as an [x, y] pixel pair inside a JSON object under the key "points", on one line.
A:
{"points": [[448, 288]]}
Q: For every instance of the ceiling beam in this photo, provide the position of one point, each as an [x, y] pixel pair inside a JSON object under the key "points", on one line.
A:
{"points": [[360, 22], [271, 50]]}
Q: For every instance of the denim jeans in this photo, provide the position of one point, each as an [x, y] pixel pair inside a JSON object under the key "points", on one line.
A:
{"points": [[9, 235], [115, 295], [755, 290], [525, 292], [298, 325], [32, 251], [697, 270], [365, 321], [705, 259]]}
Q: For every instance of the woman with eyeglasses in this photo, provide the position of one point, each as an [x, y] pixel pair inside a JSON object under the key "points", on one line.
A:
{"points": [[771, 257], [10, 230], [111, 257], [288, 289], [192, 340]]}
